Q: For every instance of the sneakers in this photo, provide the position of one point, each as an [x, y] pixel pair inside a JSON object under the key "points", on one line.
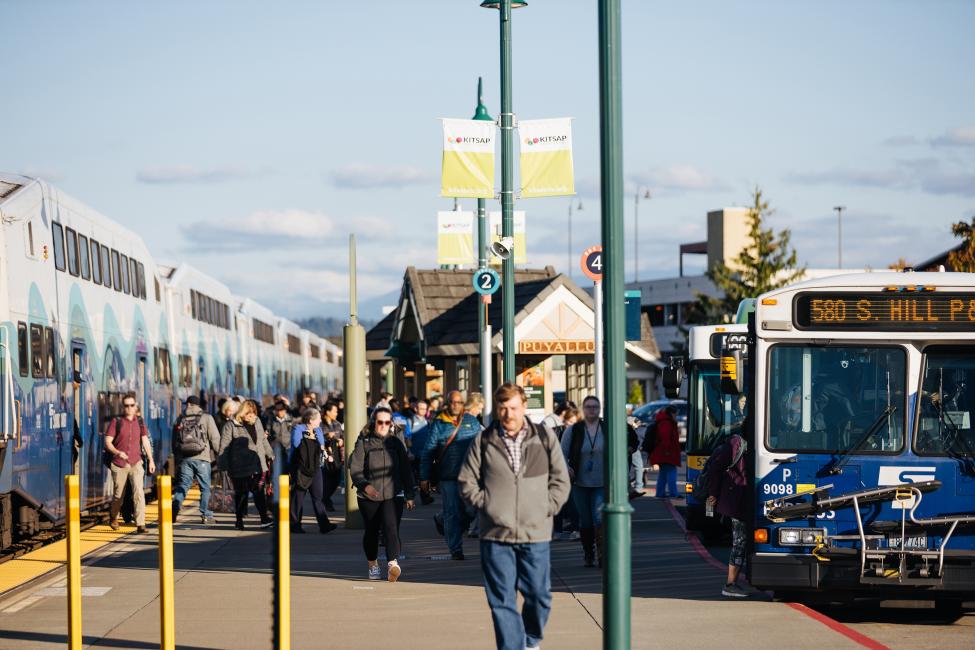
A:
{"points": [[374, 572], [239, 525], [206, 520], [327, 528], [267, 523], [734, 591], [393, 571]]}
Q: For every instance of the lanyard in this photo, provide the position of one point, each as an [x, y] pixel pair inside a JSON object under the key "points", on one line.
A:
{"points": [[592, 439]]}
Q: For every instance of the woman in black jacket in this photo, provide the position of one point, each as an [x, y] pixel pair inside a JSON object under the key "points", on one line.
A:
{"points": [[380, 470], [246, 454]]}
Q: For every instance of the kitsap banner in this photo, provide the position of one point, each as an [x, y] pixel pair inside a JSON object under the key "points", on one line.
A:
{"points": [[468, 159], [521, 241], [455, 238], [546, 157]]}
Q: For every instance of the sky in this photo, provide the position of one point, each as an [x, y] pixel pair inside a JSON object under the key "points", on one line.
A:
{"points": [[249, 139]]}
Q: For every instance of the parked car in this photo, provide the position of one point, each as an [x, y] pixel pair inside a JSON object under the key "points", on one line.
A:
{"points": [[644, 415]]}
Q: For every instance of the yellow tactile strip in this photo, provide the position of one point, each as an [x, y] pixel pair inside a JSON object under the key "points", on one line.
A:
{"points": [[25, 568]]}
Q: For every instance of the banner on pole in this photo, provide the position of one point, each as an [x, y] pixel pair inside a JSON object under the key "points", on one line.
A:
{"points": [[468, 159], [546, 157], [521, 240], [455, 238]]}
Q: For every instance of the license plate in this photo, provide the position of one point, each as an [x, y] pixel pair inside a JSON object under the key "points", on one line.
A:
{"points": [[915, 542]]}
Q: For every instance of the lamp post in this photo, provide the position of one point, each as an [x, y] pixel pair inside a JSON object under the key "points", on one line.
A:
{"points": [[636, 231], [483, 324], [839, 235], [569, 258], [507, 181], [616, 512]]}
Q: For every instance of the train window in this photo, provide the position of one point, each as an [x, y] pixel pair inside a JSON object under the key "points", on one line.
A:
{"points": [[30, 238], [36, 351], [106, 267], [72, 240], [124, 272], [140, 273], [238, 377], [155, 281], [58, 234], [168, 367], [134, 277], [250, 377], [83, 257], [23, 351], [155, 365], [96, 264], [51, 353], [116, 274]]}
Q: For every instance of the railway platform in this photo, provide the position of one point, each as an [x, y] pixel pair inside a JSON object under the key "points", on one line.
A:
{"points": [[223, 582]]}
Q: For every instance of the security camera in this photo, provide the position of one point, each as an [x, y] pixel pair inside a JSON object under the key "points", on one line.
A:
{"points": [[503, 248]]}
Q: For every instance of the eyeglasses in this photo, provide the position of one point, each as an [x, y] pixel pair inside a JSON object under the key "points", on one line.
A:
{"points": [[383, 423], [457, 401], [129, 406]]}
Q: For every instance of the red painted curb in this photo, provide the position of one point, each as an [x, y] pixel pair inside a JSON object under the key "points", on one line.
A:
{"points": [[834, 625]]}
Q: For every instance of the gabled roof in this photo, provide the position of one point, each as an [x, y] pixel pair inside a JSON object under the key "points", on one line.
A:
{"points": [[379, 337]]}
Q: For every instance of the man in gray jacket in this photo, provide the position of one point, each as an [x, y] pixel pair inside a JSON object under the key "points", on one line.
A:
{"points": [[195, 444], [515, 476]]}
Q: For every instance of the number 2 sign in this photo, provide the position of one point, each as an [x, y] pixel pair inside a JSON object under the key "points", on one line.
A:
{"points": [[486, 281]]}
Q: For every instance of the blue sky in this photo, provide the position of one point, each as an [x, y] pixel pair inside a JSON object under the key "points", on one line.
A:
{"points": [[250, 138]]}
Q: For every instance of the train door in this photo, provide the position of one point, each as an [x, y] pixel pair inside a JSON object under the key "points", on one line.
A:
{"points": [[80, 424]]}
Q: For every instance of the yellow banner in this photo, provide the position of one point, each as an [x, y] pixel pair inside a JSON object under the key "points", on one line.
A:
{"points": [[468, 159], [546, 158], [455, 238]]}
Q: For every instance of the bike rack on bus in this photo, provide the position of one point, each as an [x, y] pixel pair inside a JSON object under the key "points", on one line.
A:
{"points": [[785, 508]]}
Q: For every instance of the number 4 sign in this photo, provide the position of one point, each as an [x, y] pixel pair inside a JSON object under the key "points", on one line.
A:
{"points": [[486, 281], [592, 263]]}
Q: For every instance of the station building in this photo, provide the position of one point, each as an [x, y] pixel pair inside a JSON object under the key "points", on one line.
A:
{"points": [[430, 342]]}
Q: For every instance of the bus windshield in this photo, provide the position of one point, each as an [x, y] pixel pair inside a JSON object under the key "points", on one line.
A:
{"points": [[947, 401], [828, 398], [712, 415]]}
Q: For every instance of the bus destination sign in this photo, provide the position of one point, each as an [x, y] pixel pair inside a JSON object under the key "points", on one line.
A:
{"points": [[889, 310]]}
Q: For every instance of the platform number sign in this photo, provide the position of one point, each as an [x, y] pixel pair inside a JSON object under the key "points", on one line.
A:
{"points": [[486, 281], [592, 262]]}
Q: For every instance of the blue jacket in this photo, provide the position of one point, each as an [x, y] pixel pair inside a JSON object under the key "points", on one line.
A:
{"points": [[297, 434], [439, 431]]}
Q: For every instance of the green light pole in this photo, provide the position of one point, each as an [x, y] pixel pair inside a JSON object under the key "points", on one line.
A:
{"points": [[616, 512], [507, 181], [483, 325]]}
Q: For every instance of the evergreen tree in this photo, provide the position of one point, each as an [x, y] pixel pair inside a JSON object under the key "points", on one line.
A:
{"points": [[766, 263], [963, 259]]}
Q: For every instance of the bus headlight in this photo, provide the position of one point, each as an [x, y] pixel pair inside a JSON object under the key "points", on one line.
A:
{"points": [[801, 536]]}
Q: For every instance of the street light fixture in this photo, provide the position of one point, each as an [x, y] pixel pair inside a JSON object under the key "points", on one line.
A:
{"points": [[507, 125], [839, 235], [569, 258], [636, 230]]}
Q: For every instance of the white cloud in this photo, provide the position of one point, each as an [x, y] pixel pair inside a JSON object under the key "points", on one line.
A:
{"points": [[901, 141], [677, 177], [190, 174], [263, 229], [358, 176], [962, 136], [890, 178]]}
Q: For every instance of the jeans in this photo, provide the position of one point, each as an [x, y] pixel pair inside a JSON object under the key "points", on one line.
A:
{"points": [[527, 569], [188, 470], [456, 516], [589, 503], [667, 481], [637, 463]]}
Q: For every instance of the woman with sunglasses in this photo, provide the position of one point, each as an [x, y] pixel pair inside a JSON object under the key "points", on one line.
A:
{"points": [[380, 470]]}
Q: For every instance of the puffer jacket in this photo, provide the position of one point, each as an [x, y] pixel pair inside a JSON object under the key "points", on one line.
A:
{"points": [[381, 461], [244, 450], [515, 509]]}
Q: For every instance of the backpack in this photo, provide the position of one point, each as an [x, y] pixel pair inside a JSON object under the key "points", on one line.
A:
{"points": [[649, 438], [107, 457], [191, 438], [702, 485]]}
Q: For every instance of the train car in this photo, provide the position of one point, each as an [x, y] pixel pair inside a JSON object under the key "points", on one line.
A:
{"points": [[333, 366], [264, 356], [712, 414], [291, 370], [83, 321], [861, 438]]}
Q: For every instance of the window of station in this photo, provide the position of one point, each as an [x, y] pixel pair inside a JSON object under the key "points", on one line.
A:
{"points": [[124, 272], [23, 356], [58, 234], [294, 344], [106, 267], [96, 264], [116, 274], [72, 240], [37, 351], [83, 257]]}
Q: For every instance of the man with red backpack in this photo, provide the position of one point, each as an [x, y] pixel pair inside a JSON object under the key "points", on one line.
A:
{"points": [[195, 443], [125, 441]]}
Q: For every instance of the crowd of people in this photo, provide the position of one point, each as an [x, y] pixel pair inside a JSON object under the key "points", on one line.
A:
{"points": [[514, 484]]}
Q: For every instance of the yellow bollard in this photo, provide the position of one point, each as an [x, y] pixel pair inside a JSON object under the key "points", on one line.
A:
{"points": [[167, 623], [283, 596], [74, 561]]}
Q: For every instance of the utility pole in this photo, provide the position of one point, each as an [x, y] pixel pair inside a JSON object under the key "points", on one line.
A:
{"points": [[616, 512], [636, 232], [839, 235], [354, 386], [483, 322]]}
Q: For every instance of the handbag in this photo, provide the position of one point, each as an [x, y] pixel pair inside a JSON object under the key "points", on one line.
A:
{"points": [[435, 465]]}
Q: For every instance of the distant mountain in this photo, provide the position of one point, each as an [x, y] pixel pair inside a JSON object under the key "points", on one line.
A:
{"points": [[326, 326]]}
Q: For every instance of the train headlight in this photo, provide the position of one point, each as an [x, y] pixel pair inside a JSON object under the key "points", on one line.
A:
{"points": [[801, 536]]}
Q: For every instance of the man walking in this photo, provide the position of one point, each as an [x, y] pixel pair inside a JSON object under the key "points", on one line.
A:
{"points": [[515, 476], [125, 441], [278, 427], [195, 444], [451, 434]]}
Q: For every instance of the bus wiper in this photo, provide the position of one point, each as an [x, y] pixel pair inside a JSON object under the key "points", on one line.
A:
{"points": [[836, 465], [967, 455]]}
